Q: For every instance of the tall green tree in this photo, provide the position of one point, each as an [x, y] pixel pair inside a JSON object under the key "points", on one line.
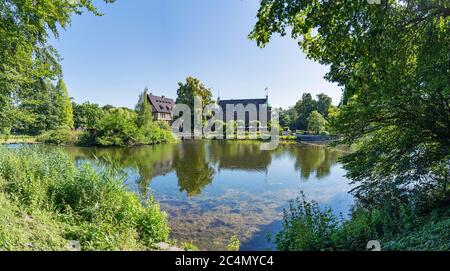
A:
{"points": [[39, 109], [323, 104], [316, 123], [144, 110], [392, 60], [193, 87], [86, 115], [285, 118], [26, 57], [190, 89], [64, 103], [303, 109]]}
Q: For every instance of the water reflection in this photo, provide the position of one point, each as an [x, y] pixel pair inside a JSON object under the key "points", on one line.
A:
{"points": [[193, 170], [233, 156], [215, 189], [196, 163], [314, 160]]}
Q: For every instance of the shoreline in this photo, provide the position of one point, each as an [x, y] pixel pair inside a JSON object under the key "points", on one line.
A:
{"points": [[25, 140]]}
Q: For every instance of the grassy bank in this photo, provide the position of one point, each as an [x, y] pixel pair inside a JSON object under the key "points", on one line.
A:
{"points": [[18, 139], [47, 202], [308, 227]]}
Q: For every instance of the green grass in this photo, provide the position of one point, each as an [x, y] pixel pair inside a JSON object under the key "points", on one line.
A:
{"points": [[289, 138], [46, 202], [17, 139], [35, 230], [431, 234]]}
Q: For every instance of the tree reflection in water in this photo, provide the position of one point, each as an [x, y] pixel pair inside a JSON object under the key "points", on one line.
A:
{"points": [[192, 168], [195, 162], [314, 159]]}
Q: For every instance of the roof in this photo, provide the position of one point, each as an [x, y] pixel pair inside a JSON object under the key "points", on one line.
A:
{"points": [[223, 103], [161, 104]]}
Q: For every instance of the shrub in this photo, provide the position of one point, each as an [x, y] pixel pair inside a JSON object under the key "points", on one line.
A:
{"points": [[117, 128], [288, 137], [431, 236], [397, 227], [155, 133], [89, 204], [306, 227], [60, 136], [152, 224]]}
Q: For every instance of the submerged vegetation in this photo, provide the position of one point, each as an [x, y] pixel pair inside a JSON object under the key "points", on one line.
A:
{"points": [[47, 203]]}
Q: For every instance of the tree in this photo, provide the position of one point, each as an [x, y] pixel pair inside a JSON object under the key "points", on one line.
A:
{"points": [[86, 115], [324, 103], [193, 88], [303, 109], [316, 123], [39, 110], [296, 118], [392, 61], [285, 118], [64, 104], [26, 57], [144, 110]]}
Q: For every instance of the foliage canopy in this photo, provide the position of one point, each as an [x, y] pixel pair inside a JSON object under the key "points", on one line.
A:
{"points": [[392, 60]]}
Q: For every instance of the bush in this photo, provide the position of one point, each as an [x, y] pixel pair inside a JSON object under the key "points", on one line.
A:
{"points": [[152, 224], [155, 133], [119, 128], [89, 204], [397, 227], [306, 227], [60, 136], [189, 246]]}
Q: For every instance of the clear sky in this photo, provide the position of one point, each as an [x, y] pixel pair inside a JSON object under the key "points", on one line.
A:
{"points": [[158, 43]]}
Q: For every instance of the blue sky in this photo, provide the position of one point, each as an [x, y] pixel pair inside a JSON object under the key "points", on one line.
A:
{"points": [[158, 43]]}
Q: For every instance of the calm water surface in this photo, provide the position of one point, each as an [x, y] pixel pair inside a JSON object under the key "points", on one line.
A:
{"points": [[213, 190]]}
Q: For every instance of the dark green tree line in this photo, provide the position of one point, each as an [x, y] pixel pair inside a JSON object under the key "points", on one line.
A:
{"points": [[46, 107], [296, 117]]}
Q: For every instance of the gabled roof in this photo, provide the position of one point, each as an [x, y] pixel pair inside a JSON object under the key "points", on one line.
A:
{"points": [[161, 104]]}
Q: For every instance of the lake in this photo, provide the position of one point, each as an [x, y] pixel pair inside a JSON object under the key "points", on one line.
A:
{"points": [[213, 190]]}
